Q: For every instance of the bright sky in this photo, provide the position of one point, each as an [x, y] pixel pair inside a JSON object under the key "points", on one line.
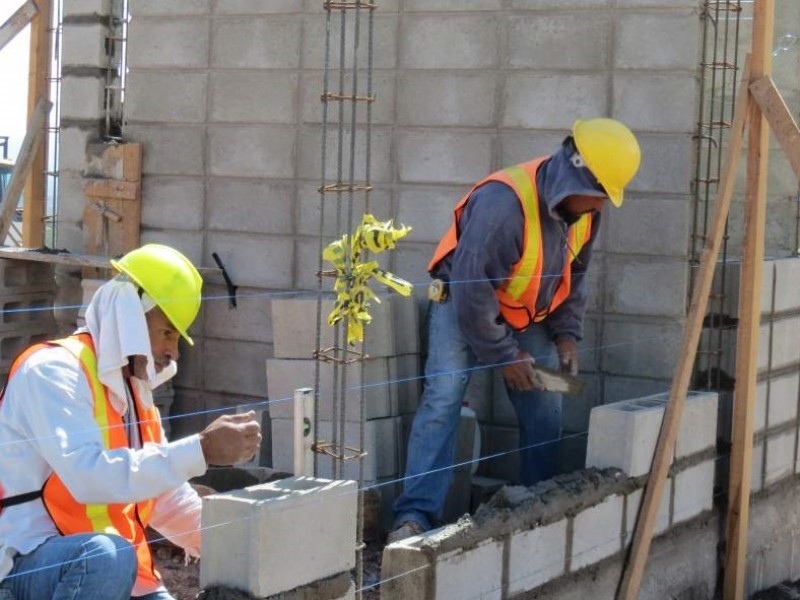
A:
{"points": [[13, 82]]}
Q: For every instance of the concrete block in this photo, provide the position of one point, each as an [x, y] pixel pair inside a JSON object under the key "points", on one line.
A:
{"points": [[578, 94], [559, 41], [626, 229], [726, 285], [653, 287], [82, 98], [165, 97], [155, 42], [173, 202], [656, 102], [630, 349], [503, 412], [787, 282], [780, 462], [84, 45], [262, 151], [72, 144], [250, 206], [478, 395], [294, 321], [443, 157], [429, 209], [256, 42], [151, 8], [757, 473], [405, 317], [259, 7], [24, 277], [384, 45], [383, 87], [449, 42], [170, 150], [519, 145], [785, 349], [244, 258], [26, 311], [597, 532], [450, 5], [626, 388], [381, 443], [406, 375], [694, 491], [284, 375], [483, 488], [248, 321], [634, 505], [381, 149], [536, 556], [447, 99], [717, 350], [253, 97], [571, 452], [235, 366], [669, 168], [87, 7], [312, 522], [475, 571], [539, 4], [679, 33], [783, 397], [624, 434], [311, 206], [500, 458]]}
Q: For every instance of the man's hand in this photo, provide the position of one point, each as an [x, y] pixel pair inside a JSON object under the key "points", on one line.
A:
{"points": [[519, 375], [231, 439], [568, 355]]}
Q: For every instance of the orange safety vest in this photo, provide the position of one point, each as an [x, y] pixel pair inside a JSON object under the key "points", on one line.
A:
{"points": [[517, 295], [126, 520]]}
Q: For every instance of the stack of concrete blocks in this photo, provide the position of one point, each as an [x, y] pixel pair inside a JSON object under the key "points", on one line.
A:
{"points": [[624, 434], [295, 537], [27, 291], [389, 378], [778, 386]]}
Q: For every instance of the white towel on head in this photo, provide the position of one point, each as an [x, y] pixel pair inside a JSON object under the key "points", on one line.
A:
{"points": [[115, 319]]}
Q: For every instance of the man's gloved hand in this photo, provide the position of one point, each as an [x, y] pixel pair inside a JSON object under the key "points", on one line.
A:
{"points": [[519, 375], [567, 349], [231, 439]]}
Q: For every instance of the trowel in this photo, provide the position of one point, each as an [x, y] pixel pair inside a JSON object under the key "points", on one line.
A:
{"points": [[558, 381]]}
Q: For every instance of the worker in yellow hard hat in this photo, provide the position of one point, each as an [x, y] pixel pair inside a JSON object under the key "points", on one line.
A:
{"points": [[509, 290], [86, 466]]}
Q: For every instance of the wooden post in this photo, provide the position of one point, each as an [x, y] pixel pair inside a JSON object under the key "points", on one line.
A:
{"points": [[38, 87], [17, 22], [634, 567], [749, 313], [25, 160], [779, 118]]}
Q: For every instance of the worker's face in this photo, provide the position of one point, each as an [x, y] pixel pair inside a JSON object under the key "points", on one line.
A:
{"points": [[579, 205], [163, 339]]}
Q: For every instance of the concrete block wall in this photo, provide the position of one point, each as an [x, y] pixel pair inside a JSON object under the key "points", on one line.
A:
{"points": [[557, 539], [232, 133]]}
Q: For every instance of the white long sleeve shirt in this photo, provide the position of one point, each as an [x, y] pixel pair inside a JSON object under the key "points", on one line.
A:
{"points": [[47, 424]]}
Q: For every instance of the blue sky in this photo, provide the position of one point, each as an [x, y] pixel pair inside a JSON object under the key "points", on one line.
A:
{"points": [[13, 82]]}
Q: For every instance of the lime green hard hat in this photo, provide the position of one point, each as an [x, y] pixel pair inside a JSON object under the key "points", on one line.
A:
{"points": [[610, 151], [169, 278]]}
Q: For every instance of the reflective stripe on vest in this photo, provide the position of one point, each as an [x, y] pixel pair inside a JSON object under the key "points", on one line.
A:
{"points": [[517, 296], [126, 520]]}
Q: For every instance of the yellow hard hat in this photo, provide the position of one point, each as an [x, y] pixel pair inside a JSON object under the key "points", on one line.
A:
{"points": [[169, 278], [611, 153]]}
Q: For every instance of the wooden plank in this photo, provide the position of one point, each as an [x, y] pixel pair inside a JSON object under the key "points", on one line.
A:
{"points": [[111, 189], [25, 161], [17, 22], [749, 313], [643, 534], [779, 118], [38, 87]]}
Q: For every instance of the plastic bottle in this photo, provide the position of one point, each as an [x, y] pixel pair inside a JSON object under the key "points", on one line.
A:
{"points": [[469, 421]]}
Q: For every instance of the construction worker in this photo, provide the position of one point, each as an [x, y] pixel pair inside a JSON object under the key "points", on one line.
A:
{"points": [[84, 464], [509, 289]]}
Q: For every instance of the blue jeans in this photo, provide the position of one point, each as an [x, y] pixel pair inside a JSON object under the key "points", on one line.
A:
{"points": [[88, 566], [431, 444]]}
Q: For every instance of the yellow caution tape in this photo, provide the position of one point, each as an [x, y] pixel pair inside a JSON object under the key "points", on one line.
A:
{"points": [[353, 293]]}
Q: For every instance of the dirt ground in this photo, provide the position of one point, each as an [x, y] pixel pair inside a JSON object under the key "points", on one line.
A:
{"points": [[183, 580]]}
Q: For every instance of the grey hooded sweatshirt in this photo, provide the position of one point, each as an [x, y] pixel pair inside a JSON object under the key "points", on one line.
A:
{"points": [[490, 237]]}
